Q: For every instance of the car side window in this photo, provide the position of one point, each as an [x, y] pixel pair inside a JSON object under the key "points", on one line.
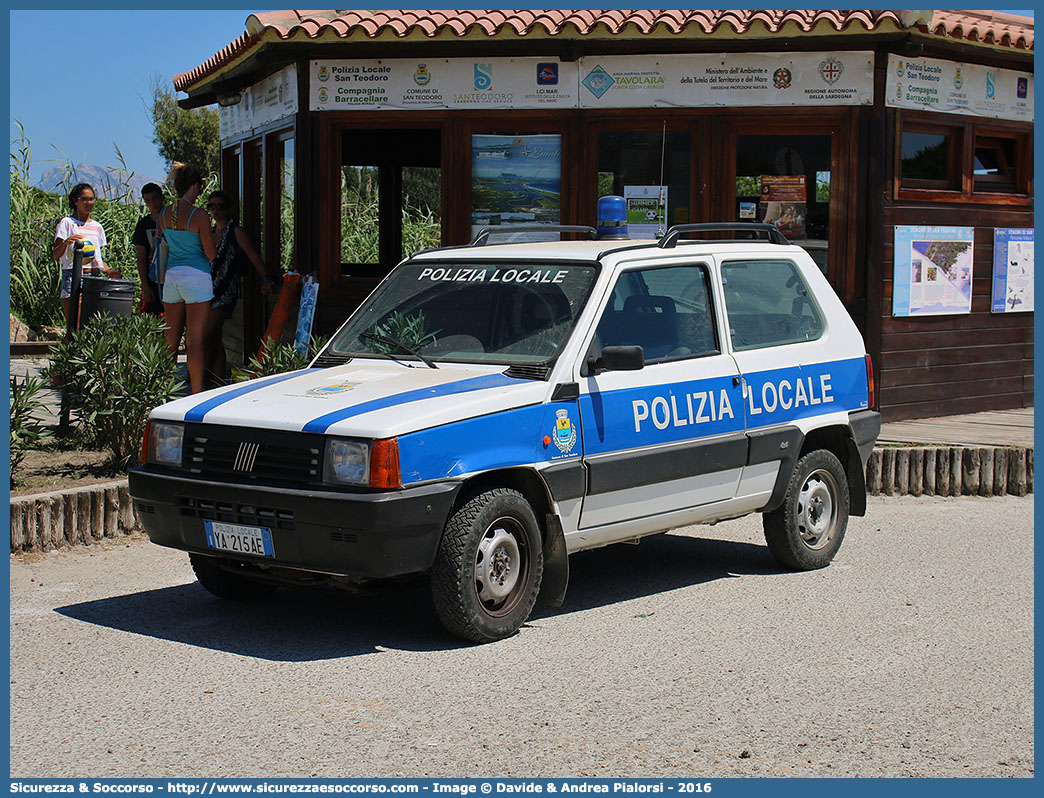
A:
{"points": [[768, 304], [666, 311]]}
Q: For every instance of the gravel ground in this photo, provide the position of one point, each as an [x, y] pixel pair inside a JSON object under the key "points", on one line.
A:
{"points": [[691, 654]]}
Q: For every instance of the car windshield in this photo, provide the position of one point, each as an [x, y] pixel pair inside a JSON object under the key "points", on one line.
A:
{"points": [[509, 313]]}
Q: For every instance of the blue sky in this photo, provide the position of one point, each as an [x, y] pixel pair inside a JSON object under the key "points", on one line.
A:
{"points": [[80, 77]]}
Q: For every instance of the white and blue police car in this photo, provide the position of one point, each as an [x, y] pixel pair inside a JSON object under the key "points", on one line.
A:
{"points": [[490, 409]]}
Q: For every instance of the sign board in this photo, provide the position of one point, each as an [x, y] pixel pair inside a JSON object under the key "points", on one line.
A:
{"points": [[727, 80], [442, 83], [684, 81], [1012, 270], [933, 270], [930, 84], [272, 99]]}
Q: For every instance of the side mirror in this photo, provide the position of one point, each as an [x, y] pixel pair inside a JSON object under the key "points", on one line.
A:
{"points": [[617, 358]]}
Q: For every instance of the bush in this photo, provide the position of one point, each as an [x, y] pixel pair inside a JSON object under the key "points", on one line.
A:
{"points": [[279, 358], [27, 430], [114, 371]]}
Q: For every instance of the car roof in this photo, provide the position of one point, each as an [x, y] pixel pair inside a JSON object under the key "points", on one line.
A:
{"points": [[609, 250]]}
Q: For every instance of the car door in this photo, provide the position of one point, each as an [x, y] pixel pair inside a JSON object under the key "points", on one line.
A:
{"points": [[670, 435]]}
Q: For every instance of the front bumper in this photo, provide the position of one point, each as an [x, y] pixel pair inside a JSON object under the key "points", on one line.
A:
{"points": [[357, 535]]}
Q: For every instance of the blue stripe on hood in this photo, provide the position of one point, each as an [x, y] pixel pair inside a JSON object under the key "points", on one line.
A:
{"points": [[323, 423], [200, 410]]}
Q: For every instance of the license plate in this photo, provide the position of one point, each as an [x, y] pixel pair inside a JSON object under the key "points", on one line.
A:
{"points": [[240, 539]]}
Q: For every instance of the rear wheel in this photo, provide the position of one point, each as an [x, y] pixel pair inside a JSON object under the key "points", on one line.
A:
{"points": [[227, 584], [488, 568], [806, 531]]}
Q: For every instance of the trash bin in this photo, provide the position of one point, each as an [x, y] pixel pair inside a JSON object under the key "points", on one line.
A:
{"points": [[106, 295]]}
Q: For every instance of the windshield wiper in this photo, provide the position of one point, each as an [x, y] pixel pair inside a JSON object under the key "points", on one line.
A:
{"points": [[384, 339]]}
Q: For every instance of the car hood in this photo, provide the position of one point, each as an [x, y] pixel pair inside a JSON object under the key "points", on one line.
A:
{"points": [[364, 398]]}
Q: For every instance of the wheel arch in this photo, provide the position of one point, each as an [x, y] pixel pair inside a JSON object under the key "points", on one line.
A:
{"points": [[535, 490], [838, 440]]}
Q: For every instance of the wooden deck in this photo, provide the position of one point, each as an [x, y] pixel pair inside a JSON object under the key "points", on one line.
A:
{"points": [[992, 428]]}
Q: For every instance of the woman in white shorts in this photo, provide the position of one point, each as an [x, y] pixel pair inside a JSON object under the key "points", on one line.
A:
{"points": [[187, 287]]}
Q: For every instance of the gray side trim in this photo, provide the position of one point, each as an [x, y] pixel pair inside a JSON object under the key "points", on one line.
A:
{"points": [[783, 445], [633, 469], [565, 481]]}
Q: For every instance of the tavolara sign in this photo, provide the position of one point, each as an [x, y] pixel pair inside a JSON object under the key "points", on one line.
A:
{"points": [[685, 81]]}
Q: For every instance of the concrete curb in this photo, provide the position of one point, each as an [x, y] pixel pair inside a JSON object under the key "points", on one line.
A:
{"points": [[94, 513]]}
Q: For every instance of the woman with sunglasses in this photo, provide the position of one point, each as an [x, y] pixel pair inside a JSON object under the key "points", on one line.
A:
{"points": [[79, 226], [234, 250]]}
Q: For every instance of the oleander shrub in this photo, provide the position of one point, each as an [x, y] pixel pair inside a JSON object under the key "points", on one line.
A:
{"points": [[114, 371], [279, 358], [27, 429]]}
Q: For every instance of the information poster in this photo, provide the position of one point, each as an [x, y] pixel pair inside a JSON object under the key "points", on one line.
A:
{"points": [[931, 84], [784, 204], [933, 270], [646, 211], [1012, 270], [516, 180]]}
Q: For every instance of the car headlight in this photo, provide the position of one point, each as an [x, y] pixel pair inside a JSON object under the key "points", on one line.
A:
{"points": [[347, 462], [373, 464], [165, 442]]}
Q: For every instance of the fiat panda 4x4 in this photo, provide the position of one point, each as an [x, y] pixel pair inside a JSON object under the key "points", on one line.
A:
{"points": [[491, 409]]}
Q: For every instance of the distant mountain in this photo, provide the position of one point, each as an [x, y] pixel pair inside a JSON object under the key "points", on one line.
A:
{"points": [[107, 180]]}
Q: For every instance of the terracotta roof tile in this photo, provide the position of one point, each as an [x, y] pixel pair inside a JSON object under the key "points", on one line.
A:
{"points": [[989, 27], [984, 27]]}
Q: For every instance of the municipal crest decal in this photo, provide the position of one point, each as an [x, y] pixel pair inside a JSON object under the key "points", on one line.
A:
{"points": [[324, 72], [332, 388], [958, 79], [782, 78], [565, 432], [422, 77]]}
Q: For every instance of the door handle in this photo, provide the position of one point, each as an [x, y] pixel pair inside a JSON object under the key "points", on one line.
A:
{"points": [[735, 381]]}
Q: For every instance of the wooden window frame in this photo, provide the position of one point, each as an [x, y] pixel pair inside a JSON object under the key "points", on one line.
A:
{"points": [[966, 132]]}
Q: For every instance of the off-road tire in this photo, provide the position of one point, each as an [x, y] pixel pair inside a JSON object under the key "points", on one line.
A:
{"points": [[227, 584], [806, 531], [488, 567]]}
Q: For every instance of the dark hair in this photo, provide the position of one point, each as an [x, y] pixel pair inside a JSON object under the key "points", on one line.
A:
{"points": [[230, 202], [184, 177], [78, 189], [151, 188]]}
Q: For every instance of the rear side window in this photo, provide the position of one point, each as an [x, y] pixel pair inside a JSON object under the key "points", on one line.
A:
{"points": [[666, 311], [768, 304]]}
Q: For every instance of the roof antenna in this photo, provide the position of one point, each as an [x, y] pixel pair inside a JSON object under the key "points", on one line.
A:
{"points": [[661, 206]]}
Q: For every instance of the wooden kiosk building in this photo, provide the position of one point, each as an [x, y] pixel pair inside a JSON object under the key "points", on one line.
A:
{"points": [[897, 146]]}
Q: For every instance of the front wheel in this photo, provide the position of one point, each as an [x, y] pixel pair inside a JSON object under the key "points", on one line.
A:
{"points": [[806, 531], [488, 568]]}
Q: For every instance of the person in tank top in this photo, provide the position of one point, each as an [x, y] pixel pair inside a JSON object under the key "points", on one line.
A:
{"points": [[187, 288]]}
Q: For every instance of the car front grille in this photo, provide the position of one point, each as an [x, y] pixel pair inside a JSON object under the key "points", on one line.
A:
{"points": [[249, 455]]}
